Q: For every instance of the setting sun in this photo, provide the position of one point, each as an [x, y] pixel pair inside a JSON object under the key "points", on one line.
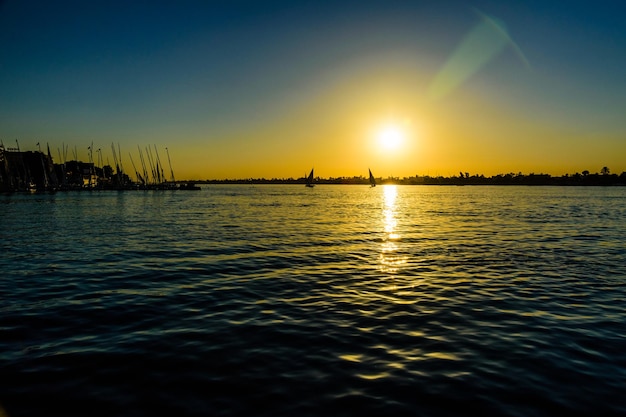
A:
{"points": [[391, 137]]}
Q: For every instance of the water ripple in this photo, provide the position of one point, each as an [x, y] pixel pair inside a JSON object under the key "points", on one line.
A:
{"points": [[279, 300]]}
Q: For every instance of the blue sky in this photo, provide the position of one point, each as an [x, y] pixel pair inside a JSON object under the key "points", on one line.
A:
{"points": [[238, 89]]}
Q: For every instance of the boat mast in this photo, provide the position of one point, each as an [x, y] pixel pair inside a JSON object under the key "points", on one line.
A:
{"points": [[26, 180], [46, 182], [7, 168], [135, 168], [62, 166], [66, 149], [90, 148], [100, 164], [170, 164], [159, 165], [117, 165], [143, 165], [149, 158], [119, 151]]}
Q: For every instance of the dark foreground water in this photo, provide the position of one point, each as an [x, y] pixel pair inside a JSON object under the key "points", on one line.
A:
{"points": [[332, 301]]}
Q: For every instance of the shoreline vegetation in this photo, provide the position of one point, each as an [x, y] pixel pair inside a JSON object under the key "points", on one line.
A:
{"points": [[604, 178], [35, 171]]}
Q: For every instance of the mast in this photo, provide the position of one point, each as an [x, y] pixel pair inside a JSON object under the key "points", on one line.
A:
{"points": [[149, 157], [6, 168], [66, 149], [91, 168], [170, 164], [139, 179], [99, 150], [143, 164], [117, 165], [121, 164], [100, 164], [63, 159], [43, 168], [26, 180], [159, 165], [63, 170], [50, 169]]}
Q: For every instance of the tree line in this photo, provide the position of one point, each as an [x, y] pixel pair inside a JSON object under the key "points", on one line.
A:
{"points": [[584, 178]]}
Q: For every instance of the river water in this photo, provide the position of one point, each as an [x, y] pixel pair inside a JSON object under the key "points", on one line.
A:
{"points": [[278, 300]]}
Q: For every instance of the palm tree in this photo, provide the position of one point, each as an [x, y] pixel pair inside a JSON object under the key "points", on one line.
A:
{"points": [[605, 171]]}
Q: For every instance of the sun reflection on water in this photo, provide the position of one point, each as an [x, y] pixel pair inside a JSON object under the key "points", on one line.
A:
{"points": [[390, 259]]}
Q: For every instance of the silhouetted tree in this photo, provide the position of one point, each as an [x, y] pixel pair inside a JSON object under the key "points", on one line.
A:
{"points": [[605, 171]]}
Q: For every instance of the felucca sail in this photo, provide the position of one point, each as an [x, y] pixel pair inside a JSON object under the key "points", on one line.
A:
{"points": [[372, 179], [309, 179]]}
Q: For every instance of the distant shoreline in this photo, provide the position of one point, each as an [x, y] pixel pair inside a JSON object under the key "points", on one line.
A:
{"points": [[212, 182], [28, 171], [505, 180]]}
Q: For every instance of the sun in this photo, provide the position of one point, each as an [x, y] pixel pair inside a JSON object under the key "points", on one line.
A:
{"points": [[390, 137]]}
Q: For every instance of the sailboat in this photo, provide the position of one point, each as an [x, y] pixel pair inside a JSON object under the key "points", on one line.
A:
{"points": [[372, 179], [309, 179]]}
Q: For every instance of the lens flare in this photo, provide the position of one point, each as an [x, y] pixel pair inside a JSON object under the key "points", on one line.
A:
{"points": [[484, 42]]}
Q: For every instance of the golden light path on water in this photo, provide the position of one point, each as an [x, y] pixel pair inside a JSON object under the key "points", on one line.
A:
{"points": [[390, 260]]}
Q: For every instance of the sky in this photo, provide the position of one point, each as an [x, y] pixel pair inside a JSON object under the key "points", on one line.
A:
{"points": [[251, 89]]}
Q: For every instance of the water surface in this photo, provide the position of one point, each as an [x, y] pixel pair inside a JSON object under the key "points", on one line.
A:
{"points": [[339, 300]]}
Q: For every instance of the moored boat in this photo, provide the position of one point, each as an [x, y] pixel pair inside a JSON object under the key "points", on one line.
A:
{"points": [[189, 186]]}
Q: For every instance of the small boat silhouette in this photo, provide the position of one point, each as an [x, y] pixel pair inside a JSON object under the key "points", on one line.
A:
{"points": [[372, 179], [309, 179]]}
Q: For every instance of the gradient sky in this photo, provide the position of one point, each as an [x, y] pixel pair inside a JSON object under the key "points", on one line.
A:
{"points": [[239, 89]]}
